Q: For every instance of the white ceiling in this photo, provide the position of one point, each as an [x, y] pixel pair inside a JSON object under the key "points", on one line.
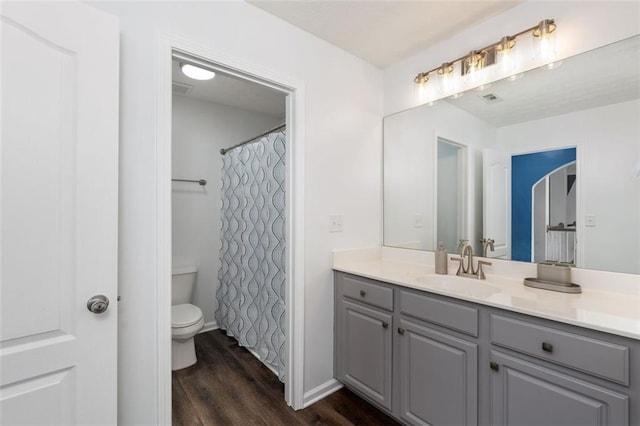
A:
{"points": [[596, 78], [379, 32], [384, 32], [231, 91]]}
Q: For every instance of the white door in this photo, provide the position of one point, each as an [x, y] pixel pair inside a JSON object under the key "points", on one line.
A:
{"points": [[496, 214], [58, 213]]}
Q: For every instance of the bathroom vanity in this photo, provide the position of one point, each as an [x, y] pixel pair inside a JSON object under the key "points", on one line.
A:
{"points": [[440, 349]]}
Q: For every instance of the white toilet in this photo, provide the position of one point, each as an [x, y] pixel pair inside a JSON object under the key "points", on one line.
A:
{"points": [[186, 319]]}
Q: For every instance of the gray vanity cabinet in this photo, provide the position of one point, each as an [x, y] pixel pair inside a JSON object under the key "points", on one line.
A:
{"points": [[433, 360], [523, 393], [364, 341], [438, 376]]}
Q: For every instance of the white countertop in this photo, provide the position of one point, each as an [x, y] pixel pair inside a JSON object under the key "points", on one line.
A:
{"points": [[597, 307]]}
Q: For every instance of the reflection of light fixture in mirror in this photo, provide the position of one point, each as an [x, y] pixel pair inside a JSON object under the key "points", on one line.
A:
{"points": [[544, 36], [196, 73], [506, 53], [553, 65]]}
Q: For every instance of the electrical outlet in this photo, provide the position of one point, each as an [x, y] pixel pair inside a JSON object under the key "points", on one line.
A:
{"points": [[418, 221], [335, 223]]}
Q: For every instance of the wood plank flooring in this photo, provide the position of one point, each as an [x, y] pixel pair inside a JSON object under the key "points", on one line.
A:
{"points": [[229, 386]]}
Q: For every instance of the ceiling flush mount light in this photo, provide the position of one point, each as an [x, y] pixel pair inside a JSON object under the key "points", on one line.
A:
{"points": [[501, 52], [196, 73]]}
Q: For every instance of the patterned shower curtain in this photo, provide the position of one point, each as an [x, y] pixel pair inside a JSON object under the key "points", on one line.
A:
{"points": [[251, 294]]}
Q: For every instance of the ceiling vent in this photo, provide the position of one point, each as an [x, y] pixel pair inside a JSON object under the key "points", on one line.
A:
{"points": [[181, 88], [490, 98]]}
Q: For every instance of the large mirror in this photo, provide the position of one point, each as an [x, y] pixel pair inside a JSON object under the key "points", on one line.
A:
{"points": [[546, 164]]}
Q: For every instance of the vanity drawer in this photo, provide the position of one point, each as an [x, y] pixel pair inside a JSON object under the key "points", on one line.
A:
{"points": [[592, 356], [368, 292], [446, 314]]}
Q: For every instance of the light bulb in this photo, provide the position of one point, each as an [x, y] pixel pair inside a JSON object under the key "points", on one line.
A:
{"points": [[545, 40], [196, 73]]}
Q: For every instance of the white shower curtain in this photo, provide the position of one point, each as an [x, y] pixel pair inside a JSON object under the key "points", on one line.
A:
{"points": [[251, 304]]}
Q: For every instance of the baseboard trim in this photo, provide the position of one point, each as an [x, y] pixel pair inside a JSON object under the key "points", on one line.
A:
{"points": [[320, 392], [209, 326]]}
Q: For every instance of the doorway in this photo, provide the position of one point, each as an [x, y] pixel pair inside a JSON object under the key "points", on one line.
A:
{"points": [[554, 216], [171, 49], [451, 194]]}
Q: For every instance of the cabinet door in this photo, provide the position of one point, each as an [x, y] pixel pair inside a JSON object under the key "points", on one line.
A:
{"points": [[364, 351], [524, 393], [438, 377]]}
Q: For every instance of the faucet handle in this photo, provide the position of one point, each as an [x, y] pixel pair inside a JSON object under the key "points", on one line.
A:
{"points": [[480, 273], [461, 244]]}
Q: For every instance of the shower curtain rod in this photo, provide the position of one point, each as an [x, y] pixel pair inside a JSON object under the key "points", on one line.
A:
{"points": [[223, 151]]}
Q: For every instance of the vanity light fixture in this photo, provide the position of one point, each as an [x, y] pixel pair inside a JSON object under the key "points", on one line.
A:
{"points": [[474, 61], [500, 52], [196, 73]]}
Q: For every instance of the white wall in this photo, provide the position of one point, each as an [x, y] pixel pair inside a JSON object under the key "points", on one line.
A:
{"points": [[199, 130], [343, 137], [608, 150], [582, 26]]}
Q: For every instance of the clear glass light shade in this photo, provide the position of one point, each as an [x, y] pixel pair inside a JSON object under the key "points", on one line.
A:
{"points": [[506, 54], [196, 73], [544, 41]]}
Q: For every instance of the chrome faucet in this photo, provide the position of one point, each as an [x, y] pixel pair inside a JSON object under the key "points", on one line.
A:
{"points": [[465, 268], [487, 243]]}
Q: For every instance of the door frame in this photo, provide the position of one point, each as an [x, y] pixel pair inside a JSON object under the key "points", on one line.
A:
{"points": [[168, 44], [464, 173]]}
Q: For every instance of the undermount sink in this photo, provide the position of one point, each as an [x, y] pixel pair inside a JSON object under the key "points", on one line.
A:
{"points": [[460, 285]]}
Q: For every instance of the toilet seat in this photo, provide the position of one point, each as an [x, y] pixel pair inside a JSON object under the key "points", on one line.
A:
{"points": [[185, 315]]}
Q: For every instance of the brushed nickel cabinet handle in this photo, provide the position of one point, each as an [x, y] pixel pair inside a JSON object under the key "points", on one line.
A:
{"points": [[547, 347], [401, 331], [385, 324], [494, 366], [363, 293]]}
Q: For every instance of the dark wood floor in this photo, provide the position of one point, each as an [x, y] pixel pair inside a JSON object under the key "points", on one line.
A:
{"points": [[229, 386]]}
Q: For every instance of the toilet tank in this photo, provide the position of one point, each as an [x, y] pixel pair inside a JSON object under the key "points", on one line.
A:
{"points": [[182, 281]]}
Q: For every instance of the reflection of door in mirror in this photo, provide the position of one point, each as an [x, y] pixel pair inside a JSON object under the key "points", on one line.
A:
{"points": [[496, 215], [554, 216], [450, 194], [533, 223]]}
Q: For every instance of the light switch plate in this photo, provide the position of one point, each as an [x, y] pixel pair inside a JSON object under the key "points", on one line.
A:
{"points": [[418, 221], [335, 223]]}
